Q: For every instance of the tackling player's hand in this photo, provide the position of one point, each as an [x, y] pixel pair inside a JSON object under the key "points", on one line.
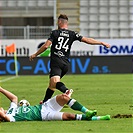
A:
{"points": [[32, 57], [106, 45], [64, 94]]}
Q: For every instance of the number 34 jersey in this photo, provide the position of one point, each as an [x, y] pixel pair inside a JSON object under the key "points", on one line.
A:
{"points": [[62, 40]]}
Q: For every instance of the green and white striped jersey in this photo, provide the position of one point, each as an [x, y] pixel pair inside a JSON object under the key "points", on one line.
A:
{"points": [[24, 113]]}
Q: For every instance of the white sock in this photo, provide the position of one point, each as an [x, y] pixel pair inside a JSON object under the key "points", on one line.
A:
{"points": [[78, 116]]}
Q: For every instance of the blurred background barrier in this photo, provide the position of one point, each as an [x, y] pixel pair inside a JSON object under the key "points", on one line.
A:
{"points": [[26, 47], [33, 19], [28, 23], [25, 32], [78, 65], [40, 32]]}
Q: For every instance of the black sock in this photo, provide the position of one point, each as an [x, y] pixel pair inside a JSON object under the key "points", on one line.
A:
{"points": [[48, 94], [60, 86]]}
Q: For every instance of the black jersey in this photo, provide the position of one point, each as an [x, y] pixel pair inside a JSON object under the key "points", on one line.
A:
{"points": [[62, 40]]}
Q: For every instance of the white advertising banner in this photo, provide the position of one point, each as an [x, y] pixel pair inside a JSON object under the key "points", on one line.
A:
{"points": [[82, 49], [28, 47], [23, 47], [118, 47]]}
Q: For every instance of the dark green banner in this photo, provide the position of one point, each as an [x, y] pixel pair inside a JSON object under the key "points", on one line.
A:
{"points": [[78, 65]]}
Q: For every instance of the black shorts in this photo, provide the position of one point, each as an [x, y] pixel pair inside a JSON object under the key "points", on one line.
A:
{"points": [[59, 66]]}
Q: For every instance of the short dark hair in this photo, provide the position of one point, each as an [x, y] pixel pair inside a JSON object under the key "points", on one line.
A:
{"points": [[63, 16]]}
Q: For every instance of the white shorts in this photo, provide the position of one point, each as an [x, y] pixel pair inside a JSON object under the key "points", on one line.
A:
{"points": [[51, 110]]}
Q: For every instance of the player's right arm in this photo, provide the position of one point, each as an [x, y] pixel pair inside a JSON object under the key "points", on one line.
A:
{"points": [[3, 116], [42, 49]]}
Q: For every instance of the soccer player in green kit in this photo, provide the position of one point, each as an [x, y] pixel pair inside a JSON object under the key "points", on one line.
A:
{"points": [[49, 110]]}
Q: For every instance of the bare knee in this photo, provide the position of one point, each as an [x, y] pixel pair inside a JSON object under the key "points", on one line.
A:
{"points": [[53, 81], [62, 99], [68, 116]]}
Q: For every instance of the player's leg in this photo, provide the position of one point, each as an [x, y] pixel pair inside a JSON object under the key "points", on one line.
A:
{"points": [[52, 86], [55, 73], [51, 109], [58, 68], [75, 105], [69, 116], [55, 105], [60, 85], [48, 95]]}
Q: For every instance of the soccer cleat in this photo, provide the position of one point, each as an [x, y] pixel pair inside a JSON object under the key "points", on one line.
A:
{"points": [[91, 113], [69, 92], [106, 117]]}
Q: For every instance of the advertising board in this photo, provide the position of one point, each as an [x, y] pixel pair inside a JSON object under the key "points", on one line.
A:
{"points": [[78, 65], [27, 47]]}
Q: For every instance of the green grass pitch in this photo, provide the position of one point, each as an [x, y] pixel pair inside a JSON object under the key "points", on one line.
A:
{"points": [[109, 94]]}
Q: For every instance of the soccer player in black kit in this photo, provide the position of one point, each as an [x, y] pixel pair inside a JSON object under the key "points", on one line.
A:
{"points": [[61, 41]]}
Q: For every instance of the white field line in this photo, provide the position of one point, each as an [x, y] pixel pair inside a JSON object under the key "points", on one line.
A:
{"points": [[7, 79]]}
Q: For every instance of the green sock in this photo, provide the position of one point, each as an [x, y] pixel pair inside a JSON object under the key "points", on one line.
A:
{"points": [[84, 109], [84, 117], [77, 106]]}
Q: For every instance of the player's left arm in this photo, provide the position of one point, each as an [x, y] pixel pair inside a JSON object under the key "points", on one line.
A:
{"points": [[94, 42], [9, 95], [42, 49]]}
